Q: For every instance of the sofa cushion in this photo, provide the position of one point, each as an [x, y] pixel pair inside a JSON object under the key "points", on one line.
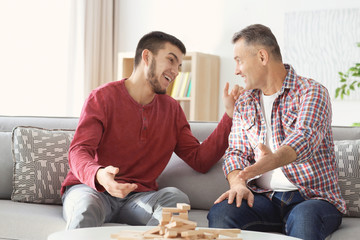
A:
{"points": [[41, 163], [6, 164], [348, 159]]}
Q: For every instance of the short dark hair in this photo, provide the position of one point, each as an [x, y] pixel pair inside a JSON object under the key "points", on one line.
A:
{"points": [[154, 41], [259, 34]]}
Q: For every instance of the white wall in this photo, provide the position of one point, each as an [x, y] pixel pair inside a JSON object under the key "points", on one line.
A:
{"points": [[208, 25]]}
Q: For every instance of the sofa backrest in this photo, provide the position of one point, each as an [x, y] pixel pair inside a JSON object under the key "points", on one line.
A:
{"points": [[203, 189], [7, 124]]}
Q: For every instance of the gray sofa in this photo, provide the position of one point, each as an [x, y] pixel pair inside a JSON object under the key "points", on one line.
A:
{"points": [[21, 220]]}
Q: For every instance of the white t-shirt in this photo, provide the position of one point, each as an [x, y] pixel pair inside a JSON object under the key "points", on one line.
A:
{"points": [[275, 179]]}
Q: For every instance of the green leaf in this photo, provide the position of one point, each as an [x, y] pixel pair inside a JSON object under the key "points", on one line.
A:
{"points": [[348, 92], [358, 44], [343, 80], [353, 69], [352, 87], [340, 73], [337, 92]]}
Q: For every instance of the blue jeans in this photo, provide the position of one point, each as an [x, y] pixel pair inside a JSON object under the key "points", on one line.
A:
{"points": [[286, 212]]}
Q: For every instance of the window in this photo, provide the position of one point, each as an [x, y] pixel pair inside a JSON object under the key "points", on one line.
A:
{"points": [[35, 59]]}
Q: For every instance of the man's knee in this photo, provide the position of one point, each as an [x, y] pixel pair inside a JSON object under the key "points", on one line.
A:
{"points": [[221, 215], [313, 219], [170, 196], [83, 209]]}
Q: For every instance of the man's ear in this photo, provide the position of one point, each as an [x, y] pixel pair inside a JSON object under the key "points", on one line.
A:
{"points": [[146, 55], [263, 56]]}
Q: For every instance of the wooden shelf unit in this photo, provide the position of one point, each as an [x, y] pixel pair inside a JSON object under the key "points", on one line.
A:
{"points": [[202, 105]]}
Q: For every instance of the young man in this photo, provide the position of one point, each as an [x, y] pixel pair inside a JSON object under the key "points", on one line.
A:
{"points": [[280, 162], [126, 135]]}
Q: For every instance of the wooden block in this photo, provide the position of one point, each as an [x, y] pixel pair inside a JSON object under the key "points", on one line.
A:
{"points": [[163, 223], [190, 233], [170, 234], [166, 216], [152, 236], [233, 238], [174, 224], [183, 206], [172, 210], [209, 235], [182, 229], [230, 232], [185, 222], [184, 216], [153, 230]]}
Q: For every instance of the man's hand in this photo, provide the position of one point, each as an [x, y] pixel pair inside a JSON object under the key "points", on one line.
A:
{"points": [[238, 190], [268, 161], [106, 178], [230, 98]]}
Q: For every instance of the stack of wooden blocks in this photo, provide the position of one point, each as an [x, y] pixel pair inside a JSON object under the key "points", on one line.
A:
{"points": [[175, 225]]}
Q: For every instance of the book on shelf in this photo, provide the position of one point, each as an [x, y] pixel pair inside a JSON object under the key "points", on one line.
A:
{"points": [[188, 89], [181, 85], [175, 88]]}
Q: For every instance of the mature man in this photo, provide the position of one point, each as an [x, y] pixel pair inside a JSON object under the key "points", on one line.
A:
{"points": [[126, 135], [280, 162]]}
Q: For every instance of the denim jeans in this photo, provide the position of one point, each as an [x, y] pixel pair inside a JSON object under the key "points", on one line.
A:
{"points": [[286, 212], [86, 207]]}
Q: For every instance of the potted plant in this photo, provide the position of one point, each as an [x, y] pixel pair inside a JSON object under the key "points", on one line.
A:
{"points": [[350, 82]]}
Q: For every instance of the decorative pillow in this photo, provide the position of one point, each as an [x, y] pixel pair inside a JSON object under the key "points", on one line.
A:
{"points": [[347, 154], [40, 163]]}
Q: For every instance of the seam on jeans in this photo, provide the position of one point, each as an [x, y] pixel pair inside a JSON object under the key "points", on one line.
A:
{"points": [[323, 220], [260, 223], [289, 199]]}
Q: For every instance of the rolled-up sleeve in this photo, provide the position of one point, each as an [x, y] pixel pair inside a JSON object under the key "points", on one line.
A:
{"points": [[239, 151], [313, 118]]}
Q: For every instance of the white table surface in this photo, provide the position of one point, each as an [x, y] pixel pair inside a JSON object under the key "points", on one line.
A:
{"points": [[104, 233]]}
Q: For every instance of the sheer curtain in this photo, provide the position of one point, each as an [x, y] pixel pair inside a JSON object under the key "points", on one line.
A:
{"points": [[94, 44]]}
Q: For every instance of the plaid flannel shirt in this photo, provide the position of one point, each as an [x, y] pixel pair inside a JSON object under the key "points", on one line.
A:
{"points": [[301, 119]]}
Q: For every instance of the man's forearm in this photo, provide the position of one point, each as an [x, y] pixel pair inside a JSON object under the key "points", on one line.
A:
{"points": [[234, 179], [285, 155]]}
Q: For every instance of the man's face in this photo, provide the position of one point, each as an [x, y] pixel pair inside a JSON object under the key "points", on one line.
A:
{"points": [[248, 64], [164, 67]]}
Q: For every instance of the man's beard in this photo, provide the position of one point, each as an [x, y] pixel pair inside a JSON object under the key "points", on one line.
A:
{"points": [[153, 80]]}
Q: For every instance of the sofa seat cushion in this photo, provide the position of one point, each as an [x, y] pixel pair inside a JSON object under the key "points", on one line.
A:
{"points": [[29, 221], [41, 163]]}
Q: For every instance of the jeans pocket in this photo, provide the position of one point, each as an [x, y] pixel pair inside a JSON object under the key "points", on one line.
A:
{"points": [[290, 198]]}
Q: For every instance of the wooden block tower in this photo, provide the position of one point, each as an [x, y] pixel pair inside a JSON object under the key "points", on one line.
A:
{"points": [[175, 225]]}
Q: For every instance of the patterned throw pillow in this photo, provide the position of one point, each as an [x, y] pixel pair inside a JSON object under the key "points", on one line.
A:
{"points": [[40, 163], [348, 158]]}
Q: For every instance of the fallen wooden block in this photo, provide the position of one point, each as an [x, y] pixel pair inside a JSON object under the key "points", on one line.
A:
{"points": [[230, 232], [184, 221]]}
